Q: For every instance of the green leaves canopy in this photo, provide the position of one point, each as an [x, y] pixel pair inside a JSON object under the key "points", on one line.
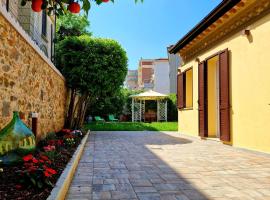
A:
{"points": [[72, 25], [92, 65]]}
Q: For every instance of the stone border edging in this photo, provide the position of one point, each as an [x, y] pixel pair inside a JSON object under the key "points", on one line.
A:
{"points": [[62, 185]]}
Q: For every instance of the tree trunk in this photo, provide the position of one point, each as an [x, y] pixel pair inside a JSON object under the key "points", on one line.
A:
{"points": [[79, 111], [70, 109]]}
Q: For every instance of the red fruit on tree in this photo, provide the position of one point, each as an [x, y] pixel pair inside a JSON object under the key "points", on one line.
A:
{"points": [[36, 5], [74, 7], [105, 1]]}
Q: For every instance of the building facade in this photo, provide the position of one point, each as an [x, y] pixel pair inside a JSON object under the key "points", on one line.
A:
{"points": [[174, 62], [39, 26], [161, 76], [131, 81], [153, 74], [145, 74], [224, 84]]}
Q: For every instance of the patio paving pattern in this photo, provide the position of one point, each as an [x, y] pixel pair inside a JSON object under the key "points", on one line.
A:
{"points": [[168, 166]]}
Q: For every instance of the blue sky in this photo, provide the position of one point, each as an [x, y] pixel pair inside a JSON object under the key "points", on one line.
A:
{"points": [[146, 29]]}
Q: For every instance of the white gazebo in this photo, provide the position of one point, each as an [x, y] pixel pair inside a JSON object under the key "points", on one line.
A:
{"points": [[138, 105]]}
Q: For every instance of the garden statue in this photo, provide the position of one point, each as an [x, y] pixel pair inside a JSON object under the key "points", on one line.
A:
{"points": [[16, 140]]}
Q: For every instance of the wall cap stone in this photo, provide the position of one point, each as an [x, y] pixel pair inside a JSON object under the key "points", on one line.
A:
{"points": [[27, 38]]}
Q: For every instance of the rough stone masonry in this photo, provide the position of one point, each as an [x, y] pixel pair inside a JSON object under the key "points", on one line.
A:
{"points": [[28, 83]]}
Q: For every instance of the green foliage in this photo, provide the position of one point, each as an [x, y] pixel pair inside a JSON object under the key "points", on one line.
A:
{"points": [[69, 142], [130, 126], [72, 25], [172, 108], [50, 136], [128, 101], [106, 65], [94, 67], [117, 103]]}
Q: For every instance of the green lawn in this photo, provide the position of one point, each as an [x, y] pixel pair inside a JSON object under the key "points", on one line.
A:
{"points": [[129, 126]]}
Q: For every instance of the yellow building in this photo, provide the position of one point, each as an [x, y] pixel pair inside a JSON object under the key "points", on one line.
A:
{"points": [[224, 82]]}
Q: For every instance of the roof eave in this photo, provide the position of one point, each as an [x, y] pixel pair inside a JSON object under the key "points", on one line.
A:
{"points": [[214, 15]]}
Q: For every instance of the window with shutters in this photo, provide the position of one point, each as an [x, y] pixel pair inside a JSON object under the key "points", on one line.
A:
{"points": [[44, 23], [185, 89], [189, 88], [7, 5]]}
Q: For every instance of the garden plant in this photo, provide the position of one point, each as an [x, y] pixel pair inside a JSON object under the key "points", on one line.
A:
{"points": [[36, 173]]}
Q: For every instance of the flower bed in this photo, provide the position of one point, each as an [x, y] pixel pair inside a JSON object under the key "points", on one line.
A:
{"points": [[35, 176]]}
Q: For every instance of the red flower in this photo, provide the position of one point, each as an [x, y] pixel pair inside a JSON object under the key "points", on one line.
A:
{"points": [[49, 148], [51, 142], [66, 131], [59, 142], [28, 157], [18, 187], [28, 164], [47, 174], [50, 170], [69, 136], [35, 160], [45, 158], [32, 169], [41, 161]]}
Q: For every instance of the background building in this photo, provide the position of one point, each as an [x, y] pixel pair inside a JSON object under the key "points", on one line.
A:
{"points": [[145, 74], [153, 74], [39, 26], [131, 81], [174, 62], [161, 76]]}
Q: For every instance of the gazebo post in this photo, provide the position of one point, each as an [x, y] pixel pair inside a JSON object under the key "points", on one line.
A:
{"points": [[143, 97], [132, 109], [158, 111], [143, 112], [166, 110], [140, 110]]}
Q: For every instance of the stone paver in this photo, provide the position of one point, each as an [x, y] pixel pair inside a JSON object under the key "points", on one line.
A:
{"points": [[167, 166]]}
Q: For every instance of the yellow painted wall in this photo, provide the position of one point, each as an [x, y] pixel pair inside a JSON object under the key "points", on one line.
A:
{"points": [[212, 96], [250, 88], [189, 89]]}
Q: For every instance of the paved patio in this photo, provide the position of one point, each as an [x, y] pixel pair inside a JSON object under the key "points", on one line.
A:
{"points": [[158, 165]]}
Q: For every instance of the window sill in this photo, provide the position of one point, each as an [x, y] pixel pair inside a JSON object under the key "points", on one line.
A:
{"points": [[183, 109]]}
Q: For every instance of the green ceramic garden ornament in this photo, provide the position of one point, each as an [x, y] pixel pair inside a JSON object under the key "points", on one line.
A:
{"points": [[16, 140]]}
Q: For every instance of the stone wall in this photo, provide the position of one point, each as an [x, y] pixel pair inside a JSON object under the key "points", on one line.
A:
{"points": [[28, 81]]}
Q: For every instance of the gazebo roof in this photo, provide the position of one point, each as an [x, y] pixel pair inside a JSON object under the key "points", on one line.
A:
{"points": [[149, 95]]}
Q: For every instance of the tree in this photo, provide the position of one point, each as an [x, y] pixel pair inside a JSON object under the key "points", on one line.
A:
{"points": [[72, 25], [109, 104], [172, 108], [93, 68]]}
